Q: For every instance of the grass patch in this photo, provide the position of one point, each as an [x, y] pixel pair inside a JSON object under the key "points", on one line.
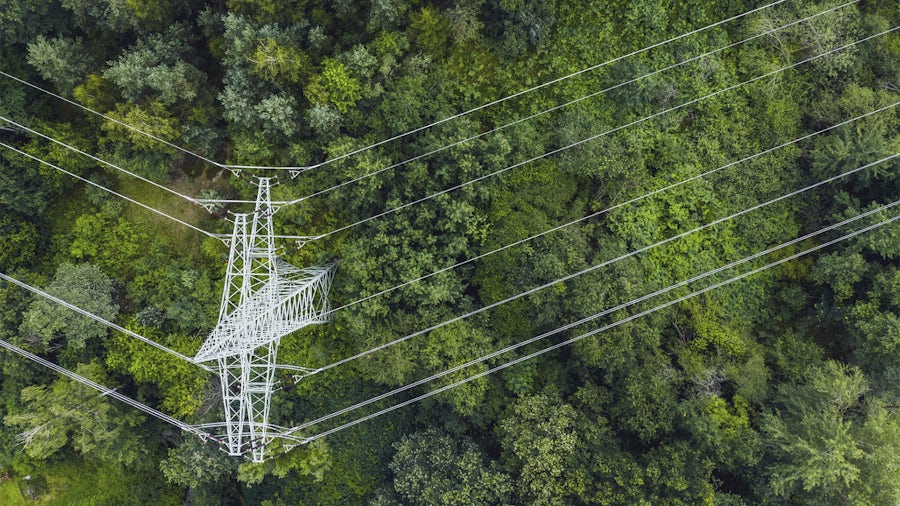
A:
{"points": [[182, 238], [10, 495], [88, 484]]}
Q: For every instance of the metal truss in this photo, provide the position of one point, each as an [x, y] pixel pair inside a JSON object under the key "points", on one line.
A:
{"points": [[265, 299]]}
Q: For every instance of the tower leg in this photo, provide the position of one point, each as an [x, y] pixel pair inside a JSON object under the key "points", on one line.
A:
{"points": [[260, 370], [230, 377]]}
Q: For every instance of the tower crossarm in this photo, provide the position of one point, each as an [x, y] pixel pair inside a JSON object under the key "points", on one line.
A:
{"points": [[301, 299]]}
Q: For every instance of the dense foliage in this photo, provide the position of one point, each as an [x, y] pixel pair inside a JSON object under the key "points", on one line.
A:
{"points": [[782, 388]]}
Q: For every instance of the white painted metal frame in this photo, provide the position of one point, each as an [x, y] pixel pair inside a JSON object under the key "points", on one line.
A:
{"points": [[265, 298]]}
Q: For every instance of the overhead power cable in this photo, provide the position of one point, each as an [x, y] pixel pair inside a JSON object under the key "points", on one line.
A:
{"points": [[593, 317], [114, 120], [514, 95], [601, 264], [221, 237], [564, 105], [201, 202], [596, 136], [399, 136], [88, 181], [611, 208], [99, 319], [593, 332], [104, 162], [108, 391]]}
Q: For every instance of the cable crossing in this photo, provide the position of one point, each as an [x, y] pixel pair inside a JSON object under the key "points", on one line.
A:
{"points": [[603, 264], [611, 208], [586, 334], [396, 137], [596, 136]]}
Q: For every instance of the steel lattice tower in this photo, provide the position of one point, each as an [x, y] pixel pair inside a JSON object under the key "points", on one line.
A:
{"points": [[265, 298]]}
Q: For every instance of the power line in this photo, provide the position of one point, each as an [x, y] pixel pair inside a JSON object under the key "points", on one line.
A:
{"points": [[109, 118], [396, 137], [611, 208], [222, 237], [514, 95], [561, 106], [602, 264], [92, 157], [99, 319], [593, 137], [108, 391], [130, 173], [594, 332], [157, 211], [594, 317]]}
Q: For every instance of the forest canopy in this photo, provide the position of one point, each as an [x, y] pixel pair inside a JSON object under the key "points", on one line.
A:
{"points": [[676, 220]]}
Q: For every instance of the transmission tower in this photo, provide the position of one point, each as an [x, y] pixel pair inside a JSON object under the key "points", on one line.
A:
{"points": [[265, 298]]}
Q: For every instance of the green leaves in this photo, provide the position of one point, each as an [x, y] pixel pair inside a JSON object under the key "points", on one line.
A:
{"points": [[69, 412], [157, 68], [542, 440], [434, 468], [194, 464], [821, 437], [272, 60], [334, 85], [181, 384], [59, 60], [85, 286]]}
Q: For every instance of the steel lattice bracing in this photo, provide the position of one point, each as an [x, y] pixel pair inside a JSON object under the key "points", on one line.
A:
{"points": [[265, 298]]}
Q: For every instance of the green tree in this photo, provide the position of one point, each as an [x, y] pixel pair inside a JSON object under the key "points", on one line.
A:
{"points": [[824, 435], [68, 412], [157, 67], [272, 60], [62, 61], [21, 239], [181, 384], [542, 441], [195, 464], [85, 286], [434, 468], [22, 20], [102, 15], [334, 85]]}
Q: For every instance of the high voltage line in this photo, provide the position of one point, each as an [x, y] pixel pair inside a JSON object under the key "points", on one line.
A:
{"points": [[611, 208], [223, 237], [396, 137], [599, 265], [593, 317], [108, 391], [520, 93], [403, 206], [206, 202], [99, 319], [96, 159], [563, 105], [130, 173], [88, 181], [596, 136], [197, 431], [592, 332]]}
